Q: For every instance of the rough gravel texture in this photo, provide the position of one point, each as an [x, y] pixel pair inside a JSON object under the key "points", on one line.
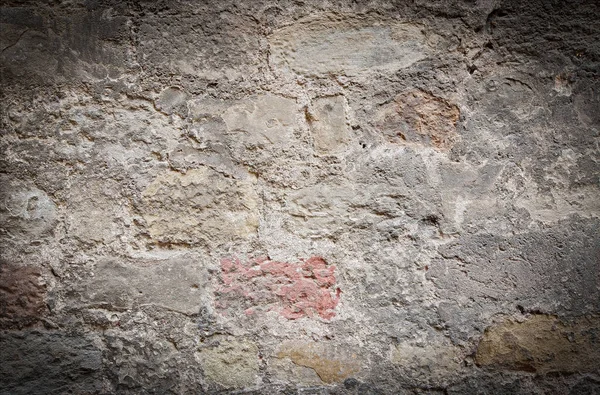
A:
{"points": [[300, 197]]}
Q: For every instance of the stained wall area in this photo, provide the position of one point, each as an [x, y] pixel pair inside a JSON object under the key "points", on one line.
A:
{"points": [[300, 197]]}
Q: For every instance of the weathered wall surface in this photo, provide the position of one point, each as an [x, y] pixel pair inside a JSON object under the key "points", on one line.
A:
{"points": [[312, 197]]}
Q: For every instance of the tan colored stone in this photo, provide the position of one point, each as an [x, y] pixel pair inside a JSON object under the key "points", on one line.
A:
{"points": [[346, 45], [542, 344], [430, 362], [328, 126], [418, 117], [265, 119], [331, 363], [231, 364], [285, 371], [95, 215], [200, 206]]}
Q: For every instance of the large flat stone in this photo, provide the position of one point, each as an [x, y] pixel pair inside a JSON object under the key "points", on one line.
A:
{"points": [[176, 284], [265, 119], [347, 45], [332, 363]]}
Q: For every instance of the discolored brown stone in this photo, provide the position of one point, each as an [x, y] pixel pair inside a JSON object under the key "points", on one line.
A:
{"points": [[22, 295], [332, 364], [542, 344], [418, 117]]}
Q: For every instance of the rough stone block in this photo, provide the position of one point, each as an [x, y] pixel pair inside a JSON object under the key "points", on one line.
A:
{"points": [[542, 344], [418, 117], [22, 295], [231, 364], [37, 363], [265, 119], [332, 363], [200, 206], [176, 284], [25, 210]]}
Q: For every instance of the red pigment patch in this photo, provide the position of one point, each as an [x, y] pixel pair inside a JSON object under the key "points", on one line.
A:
{"points": [[295, 290]]}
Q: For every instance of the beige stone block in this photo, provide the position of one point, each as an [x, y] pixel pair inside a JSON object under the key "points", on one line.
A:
{"points": [[542, 344], [265, 119], [201, 205], [329, 128], [347, 45], [416, 117], [230, 364]]}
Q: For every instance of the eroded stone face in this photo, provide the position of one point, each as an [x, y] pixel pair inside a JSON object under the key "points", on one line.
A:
{"points": [[432, 361], [200, 206], [25, 209], [170, 100], [231, 364], [264, 119], [329, 127], [418, 117], [347, 45], [332, 363], [542, 344], [95, 215]]}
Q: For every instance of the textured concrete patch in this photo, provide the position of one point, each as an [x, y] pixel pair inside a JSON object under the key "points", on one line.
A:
{"points": [[551, 270], [231, 364], [199, 206], [418, 117], [331, 363], [295, 290], [22, 294], [542, 344], [329, 127], [347, 45], [178, 284]]}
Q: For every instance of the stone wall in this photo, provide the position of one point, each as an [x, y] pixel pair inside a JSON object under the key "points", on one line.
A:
{"points": [[300, 197]]}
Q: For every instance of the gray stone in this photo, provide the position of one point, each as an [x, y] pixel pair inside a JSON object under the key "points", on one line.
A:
{"points": [[49, 362], [178, 285]]}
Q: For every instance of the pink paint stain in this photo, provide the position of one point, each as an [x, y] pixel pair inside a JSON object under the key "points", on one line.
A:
{"points": [[295, 290]]}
